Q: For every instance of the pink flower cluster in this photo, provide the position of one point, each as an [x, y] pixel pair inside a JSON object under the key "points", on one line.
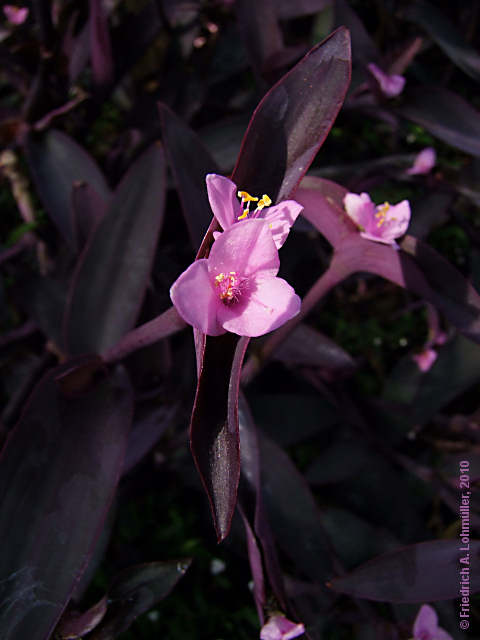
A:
{"points": [[426, 626], [281, 628], [391, 85], [15, 15], [236, 288]]}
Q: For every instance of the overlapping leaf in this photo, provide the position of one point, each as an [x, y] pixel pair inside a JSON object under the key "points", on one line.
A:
{"points": [[112, 273], [58, 475]]}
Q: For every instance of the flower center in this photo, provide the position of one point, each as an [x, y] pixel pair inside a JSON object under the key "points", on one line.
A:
{"points": [[264, 201], [229, 287]]}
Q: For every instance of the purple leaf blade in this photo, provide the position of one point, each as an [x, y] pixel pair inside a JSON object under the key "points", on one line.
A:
{"points": [[58, 475], [214, 426], [422, 572], [112, 272], [88, 208], [446, 115], [100, 45], [57, 162], [190, 162], [293, 120]]}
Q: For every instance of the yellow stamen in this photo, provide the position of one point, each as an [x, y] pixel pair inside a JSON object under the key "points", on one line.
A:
{"points": [[382, 213], [220, 278], [246, 197], [244, 214]]}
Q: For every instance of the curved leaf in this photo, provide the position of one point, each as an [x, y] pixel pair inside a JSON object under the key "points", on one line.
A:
{"points": [[113, 270], [100, 46], [292, 121], [190, 162], [58, 474], [421, 572], [446, 36], [57, 162], [446, 115]]}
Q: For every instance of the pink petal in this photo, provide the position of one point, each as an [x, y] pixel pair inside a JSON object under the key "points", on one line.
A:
{"points": [[441, 634], [15, 15], [359, 208], [195, 299], [426, 622], [267, 304], [398, 219], [425, 359], [424, 162], [280, 628], [246, 248], [390, 85], [222, 195], [280, 218]]}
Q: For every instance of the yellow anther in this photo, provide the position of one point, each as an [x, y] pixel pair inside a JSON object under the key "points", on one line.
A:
{"points": [[264, 202], [246, 197], [244, 215], [220, 278]]}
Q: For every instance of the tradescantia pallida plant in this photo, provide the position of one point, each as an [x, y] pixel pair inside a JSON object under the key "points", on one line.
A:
{"points": [[113, 285]]}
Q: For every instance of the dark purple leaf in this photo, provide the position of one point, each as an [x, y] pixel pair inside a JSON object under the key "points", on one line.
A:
{"points": [[190, 162], [43, 298], [88, 208], [445, 115], [430, 212], [363, 47], [287, 9], [58, 474], [100, 46], [113, 270], [260, 30], [256, 568], [421, 572], [136, 590], [214, 427], [446, 35], [307, 347], [292, 121], [293, 511], [148, 427], [166, 324], [57, 162], [74, 625], [253, 508], [78, 51]]}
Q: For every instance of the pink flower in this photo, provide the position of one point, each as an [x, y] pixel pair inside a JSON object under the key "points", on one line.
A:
{"points": [[424, 162], [236, 288], [15, 15], [380, 224], [222, 194], [390, 85], [280, 628], [425, 359], [426, 626]]}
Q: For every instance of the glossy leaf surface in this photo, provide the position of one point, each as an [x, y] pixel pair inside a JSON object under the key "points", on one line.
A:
{"points": [[58, 475]]}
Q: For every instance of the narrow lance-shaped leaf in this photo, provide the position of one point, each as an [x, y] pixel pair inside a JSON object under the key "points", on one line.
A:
{"points": [[58, 474], [287, 129], [446, 115], [421, 572], [190, 162], [113, 270], [446, 36], [100, 46], [57, 163]]}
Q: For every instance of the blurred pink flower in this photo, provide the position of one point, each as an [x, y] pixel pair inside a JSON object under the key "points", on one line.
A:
{"points": [[15, 15], [236, 288], [390, 85], [425, 359], [424, 162], [280, 628], [380, 224], [222, 194], [426, 626]]}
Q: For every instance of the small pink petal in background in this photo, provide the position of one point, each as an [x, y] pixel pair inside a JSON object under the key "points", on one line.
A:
{"points": [[423, 163], [390, 85], [383, 223], [280, 628], [15, 15], [425, 359], [426, 626]]}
